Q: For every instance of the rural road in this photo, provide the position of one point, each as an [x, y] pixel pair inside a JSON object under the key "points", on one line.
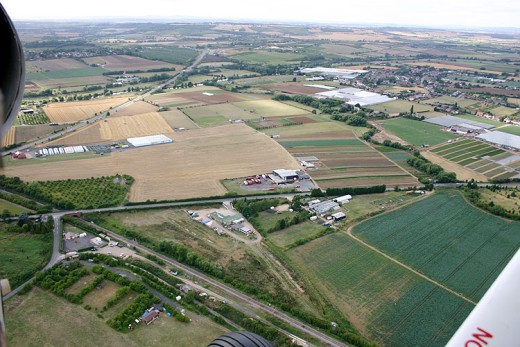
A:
{"points": [[229, 291], [105, 114], [56, 257]]}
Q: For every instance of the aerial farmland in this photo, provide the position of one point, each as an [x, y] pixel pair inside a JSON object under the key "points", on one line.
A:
{"points": [[355, 185]]}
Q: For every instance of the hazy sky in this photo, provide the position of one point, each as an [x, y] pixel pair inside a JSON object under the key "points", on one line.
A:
{"points": [[479, 13]]}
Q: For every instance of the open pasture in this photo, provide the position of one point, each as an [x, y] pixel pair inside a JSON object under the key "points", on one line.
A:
{"points": [[127, 62], [75, 111], [72, 82], [384, 301], [176, 119], [90, 330], [265, 57], [145, 124], [54, 65], [269, 108], [400, 106], [208, 115], [511, 129], [313, 128], [190, 167], [171, 100], [416, 132], [287, 236], [66, 74], [447, 239], [450, 100]]}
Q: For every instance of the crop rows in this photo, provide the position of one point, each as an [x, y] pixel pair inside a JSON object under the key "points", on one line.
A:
{"points": [[446, 239], [34, 119]]}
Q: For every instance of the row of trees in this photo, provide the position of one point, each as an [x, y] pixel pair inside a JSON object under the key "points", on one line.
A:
{"points": [[436, 171]]}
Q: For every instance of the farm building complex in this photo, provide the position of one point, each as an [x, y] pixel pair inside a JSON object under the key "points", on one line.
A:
{"points": [[502, 139], [149, 140], [354, 96]]}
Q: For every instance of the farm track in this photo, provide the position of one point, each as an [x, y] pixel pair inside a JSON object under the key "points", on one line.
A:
{"points": [[438, 284]]}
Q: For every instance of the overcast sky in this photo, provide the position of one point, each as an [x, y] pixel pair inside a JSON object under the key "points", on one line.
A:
{"points": [[439, 13]]}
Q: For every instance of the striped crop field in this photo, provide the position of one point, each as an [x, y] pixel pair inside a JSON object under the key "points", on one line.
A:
{"points": [[476, 156], [342, 160]]}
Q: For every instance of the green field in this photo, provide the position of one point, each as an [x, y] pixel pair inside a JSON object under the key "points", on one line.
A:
{"points": [[448, 240], [221, 112], [78, 193], [503, 111], [267, 57], [286, 237], [28, 324], [480, 119], [322, 143], [391, 305], [33, 119], [417, 133], [12, 208], [174, 55], [22, 254], [313, 128], [512, 129], [450, 100], [69, 73], [398, 106], [268, 108]]}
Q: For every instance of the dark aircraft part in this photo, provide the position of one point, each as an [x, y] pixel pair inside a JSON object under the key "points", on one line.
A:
{"points": [[12, 73], [240, 339]]}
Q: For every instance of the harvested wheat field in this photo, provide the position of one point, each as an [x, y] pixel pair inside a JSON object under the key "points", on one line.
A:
{"points": [[136, 108], [134, 126], [89, 135], [8, 139], [191, 166], [75, 111]]}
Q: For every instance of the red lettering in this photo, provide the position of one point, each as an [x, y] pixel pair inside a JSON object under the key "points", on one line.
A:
{"points": [[479, 338]]}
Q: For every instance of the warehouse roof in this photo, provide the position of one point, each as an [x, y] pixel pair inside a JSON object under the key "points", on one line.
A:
{"points": [[149, 140], [500, 138]]}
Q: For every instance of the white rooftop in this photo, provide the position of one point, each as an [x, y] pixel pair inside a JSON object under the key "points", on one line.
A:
{"points": [[501, 138], [355, 96], [149, 140]]}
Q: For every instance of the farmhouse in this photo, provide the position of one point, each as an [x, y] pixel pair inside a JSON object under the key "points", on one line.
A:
{"points": [[150, 317], [322, 208]]}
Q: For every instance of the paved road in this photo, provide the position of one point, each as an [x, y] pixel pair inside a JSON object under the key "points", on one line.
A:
{"points": [[104, 114]]}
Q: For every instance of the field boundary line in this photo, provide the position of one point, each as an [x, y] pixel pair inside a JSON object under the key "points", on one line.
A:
{"points": [[375, 249], [349, 233]]}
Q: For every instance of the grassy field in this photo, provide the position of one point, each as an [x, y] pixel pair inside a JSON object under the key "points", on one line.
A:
{"points": [[417, 133], [511, 129], [79, 327], [450, 100], [69, 73], [12, 208], [384, 301], [267, 57], [398, 106], [285, 237], [480, 119], [269, 108], [174, 55], [504, 198], [447, 239], [22, 254], [220, 114]]}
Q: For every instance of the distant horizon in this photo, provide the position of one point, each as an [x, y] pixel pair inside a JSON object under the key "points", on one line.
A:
{"points": [[444, 14]]}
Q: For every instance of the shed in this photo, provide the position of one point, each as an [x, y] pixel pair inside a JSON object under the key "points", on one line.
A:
{"points": [[338, 216]]}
